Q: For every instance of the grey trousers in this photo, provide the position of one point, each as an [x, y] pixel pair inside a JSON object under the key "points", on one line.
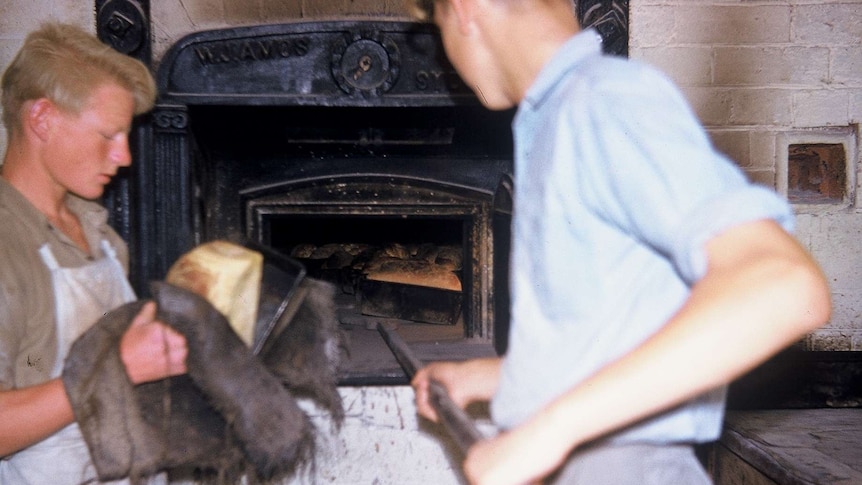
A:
{"points": [[636, 464]]}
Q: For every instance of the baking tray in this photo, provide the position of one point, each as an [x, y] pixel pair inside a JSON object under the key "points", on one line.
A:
{"points": [[280, 279], [410, 302]]}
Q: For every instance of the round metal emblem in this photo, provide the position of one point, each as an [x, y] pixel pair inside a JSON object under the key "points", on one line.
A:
{"points": [[121, 24], [365, 65]]}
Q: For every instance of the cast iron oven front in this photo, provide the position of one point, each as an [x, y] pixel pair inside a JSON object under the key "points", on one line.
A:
{"points": [[339, 132]]}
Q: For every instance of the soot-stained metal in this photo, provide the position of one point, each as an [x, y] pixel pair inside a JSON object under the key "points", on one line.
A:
{"points": [[329, 132]]}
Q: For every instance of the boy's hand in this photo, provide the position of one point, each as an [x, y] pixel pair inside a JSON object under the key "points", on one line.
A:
{"points": [[151, 350], [444, 373], [465, 382]]}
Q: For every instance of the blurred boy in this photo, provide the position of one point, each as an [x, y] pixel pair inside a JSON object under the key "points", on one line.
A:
{"points": [[647, 272]]}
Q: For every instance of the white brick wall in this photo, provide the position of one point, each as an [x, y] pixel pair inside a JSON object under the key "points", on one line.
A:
{"points": [[760, 73]]}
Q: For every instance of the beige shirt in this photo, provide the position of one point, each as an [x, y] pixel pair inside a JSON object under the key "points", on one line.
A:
{"points": [[28, 339]]}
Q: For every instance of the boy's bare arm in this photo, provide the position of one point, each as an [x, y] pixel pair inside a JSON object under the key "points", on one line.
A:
{"points": [[149, 349], [31, 414], [762, 292]]}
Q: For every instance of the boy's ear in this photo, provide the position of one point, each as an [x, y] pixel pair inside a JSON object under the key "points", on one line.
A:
{"points": [[39, 117], [464, 10]]}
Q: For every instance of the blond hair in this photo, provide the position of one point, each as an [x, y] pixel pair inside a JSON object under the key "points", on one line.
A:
{"points": [[66, 64]]}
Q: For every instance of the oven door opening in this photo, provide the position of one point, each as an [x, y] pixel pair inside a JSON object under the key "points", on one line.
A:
{"points": [[406, 269], [418, 268]]}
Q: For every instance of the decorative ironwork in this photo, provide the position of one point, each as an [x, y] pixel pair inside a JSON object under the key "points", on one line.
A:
{"points": [[328, 63], [170, 119], [125, 26], [610, 18]]}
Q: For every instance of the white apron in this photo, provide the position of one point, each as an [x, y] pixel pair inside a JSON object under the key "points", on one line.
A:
{"points": [[82, 296]]}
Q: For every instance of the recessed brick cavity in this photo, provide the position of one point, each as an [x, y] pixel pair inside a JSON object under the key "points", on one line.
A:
{"points": [[816, 172]]}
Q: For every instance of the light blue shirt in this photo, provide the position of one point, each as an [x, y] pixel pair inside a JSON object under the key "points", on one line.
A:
{"points": [[617, 188]]}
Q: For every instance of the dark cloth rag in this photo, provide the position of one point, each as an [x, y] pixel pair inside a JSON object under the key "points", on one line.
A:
{"points": [[230, 413]]}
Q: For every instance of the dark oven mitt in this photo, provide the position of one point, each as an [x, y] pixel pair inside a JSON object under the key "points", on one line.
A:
{"points": [[229, 414]]}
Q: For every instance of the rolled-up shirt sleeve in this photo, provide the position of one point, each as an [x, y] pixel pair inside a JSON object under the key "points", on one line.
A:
{"points": [[660, 180]]}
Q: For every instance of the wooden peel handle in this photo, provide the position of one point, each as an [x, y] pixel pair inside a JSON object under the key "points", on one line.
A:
{"points": [[457, 423]]}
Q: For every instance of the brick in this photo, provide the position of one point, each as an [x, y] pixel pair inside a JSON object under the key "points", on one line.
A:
{"points": [[763, 153], [397, 8], [847, 66], [855, 115], [690, 66], [713, 106], [771, 66], [322, 8], [828, 23], [8, 49], [733, 24], [846, 311], [193, 14], [733, 143], [820, 108], [828, 340], [806, 226], [274, 11], [69, 11], [173, 19], [760, 107], [242, 12], [765, 178], [650, 26], [835, 241], [19, 17]]}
